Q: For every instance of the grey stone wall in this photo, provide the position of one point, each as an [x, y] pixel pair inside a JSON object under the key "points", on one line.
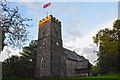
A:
{"points": [[56, 49], [50, 48], [43, 51], [70, 65]]}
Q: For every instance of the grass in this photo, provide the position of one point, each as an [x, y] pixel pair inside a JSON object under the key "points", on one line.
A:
{"points": [[104, 77]]}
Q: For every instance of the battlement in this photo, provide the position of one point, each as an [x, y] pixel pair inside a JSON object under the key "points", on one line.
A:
{"points": [[49, 19]]}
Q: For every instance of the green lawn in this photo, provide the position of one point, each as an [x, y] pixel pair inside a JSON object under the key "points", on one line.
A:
{"points": [[105, 77]]}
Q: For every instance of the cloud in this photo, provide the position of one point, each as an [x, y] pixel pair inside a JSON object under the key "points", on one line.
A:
{"points": [[88, 52], [8, 52], [119, 10], [72, 37], [33, 8], [72, 30], [85, 43]]}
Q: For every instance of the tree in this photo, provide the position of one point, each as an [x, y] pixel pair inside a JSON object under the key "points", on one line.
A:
{"points": [[21, 66], [11, 67], [29, 55], [14, 26], [95, 70], [108, 42]]}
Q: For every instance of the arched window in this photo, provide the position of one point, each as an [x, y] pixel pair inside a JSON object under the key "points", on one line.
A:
{"points": [[44, 30], [56, 31], [42, 62]]}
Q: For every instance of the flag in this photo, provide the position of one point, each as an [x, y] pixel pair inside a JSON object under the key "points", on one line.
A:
{"points": [[46, 5]]}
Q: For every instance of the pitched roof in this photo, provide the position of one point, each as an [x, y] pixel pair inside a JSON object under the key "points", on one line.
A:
{"points": [[72, 55]]}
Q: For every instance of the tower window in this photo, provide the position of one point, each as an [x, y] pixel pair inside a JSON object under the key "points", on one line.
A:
{"points": [[43, 62], [44, 33], [56, 31], [44, 30]]}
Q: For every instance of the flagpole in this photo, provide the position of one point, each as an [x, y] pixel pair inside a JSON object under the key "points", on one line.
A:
{"points": [[47, 14], [47, 5], [50, 10]]}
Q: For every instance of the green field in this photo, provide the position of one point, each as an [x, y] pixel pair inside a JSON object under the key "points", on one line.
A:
{"points": [[105, 77]]}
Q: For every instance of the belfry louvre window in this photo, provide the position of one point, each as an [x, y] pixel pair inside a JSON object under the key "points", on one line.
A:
{"points": [[42, 62]]}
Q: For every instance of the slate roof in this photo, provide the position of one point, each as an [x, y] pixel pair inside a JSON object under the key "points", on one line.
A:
{"points": [[72, 55]]}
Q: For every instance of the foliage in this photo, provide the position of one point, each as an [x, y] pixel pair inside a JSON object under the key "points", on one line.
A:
{"points": [[14, 26], [108, 42], [11, 66], [29, 55], [21, 66], [95, 70]]}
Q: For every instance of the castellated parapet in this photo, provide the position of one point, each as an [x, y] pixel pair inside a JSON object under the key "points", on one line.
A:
{"points": [[49, 19]]}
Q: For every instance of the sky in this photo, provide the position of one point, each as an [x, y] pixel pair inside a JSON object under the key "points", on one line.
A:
{"points": [[80, 22]]}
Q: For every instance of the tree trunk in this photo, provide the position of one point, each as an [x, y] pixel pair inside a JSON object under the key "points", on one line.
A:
{"points": [[0, 37], [0, 50]]}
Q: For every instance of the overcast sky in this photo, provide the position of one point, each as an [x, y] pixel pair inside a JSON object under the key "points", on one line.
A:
{"points": [[80, 21]]}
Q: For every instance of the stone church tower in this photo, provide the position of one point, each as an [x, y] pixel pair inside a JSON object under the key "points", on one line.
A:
{"points": [[49, 62]]}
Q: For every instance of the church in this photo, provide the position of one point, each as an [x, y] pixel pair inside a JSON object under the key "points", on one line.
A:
{"points": [[54, 61]]}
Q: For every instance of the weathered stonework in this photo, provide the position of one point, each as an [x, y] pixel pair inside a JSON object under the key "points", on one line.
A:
{"points": [[54, 61], [49, 48]]}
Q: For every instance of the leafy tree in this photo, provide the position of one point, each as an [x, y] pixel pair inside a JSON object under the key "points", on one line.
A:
{"points": [[21, 66], [14, 26], [11, 66], [108, 42], [29, 55], [95, 70]]}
